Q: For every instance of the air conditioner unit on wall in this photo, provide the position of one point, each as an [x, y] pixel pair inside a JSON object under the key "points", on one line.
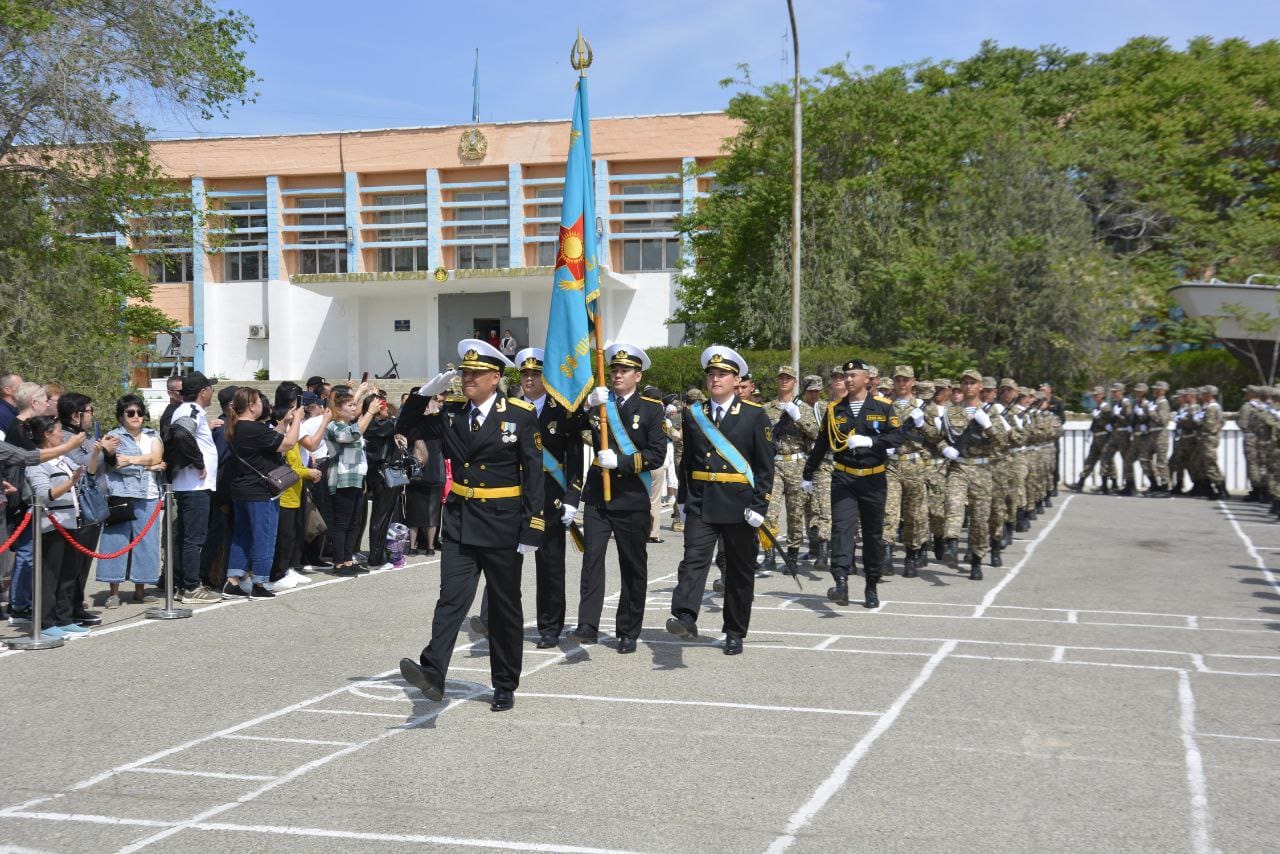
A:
{"points": [[257, 330]]}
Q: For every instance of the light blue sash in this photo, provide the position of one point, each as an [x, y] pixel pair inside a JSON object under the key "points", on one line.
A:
{"points": [[552, 467], [622, 437], [722, 445]]}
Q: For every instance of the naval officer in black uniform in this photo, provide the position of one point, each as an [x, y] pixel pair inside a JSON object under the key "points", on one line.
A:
{"points": [[493, 516], [727, 471], [858, 430], [562, 463], [636, 446]]}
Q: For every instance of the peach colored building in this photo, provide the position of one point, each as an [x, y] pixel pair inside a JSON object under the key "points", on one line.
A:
{"points": [[318, 253]]}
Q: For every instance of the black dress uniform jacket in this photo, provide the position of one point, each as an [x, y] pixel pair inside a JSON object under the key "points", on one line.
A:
{"points": [[643, 419], [484, 460], [876, 419], [746, 426], [563, 439]]}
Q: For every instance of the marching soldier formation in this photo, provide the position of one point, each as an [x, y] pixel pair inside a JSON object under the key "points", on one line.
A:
{"points": [[884, 461]]}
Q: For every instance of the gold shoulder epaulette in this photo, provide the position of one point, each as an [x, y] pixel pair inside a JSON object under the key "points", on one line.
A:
{"points": [[651, 399], [523, 404], [881, 399], [751, 403]]}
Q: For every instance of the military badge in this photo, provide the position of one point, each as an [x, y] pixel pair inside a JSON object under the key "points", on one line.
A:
{"points": [[768, 434], [537, 441], [551, 428], [635, 421], [508, 431]]}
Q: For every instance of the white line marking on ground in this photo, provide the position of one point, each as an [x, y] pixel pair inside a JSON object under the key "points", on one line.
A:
{"points": [[826, 643], [1193, 622], [1073, 616], [1242, 737], [1026, 556], [650, 701], [89, 819], [504, 845], [351, 712], [1195, 767], [1058, 653], [1248, 544], [842, 771], [217, 775], [291, 740]]}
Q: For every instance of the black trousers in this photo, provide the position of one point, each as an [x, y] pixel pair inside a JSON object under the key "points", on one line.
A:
{"points": [[630, 529], [58, 578], [460, 569], [386, 500], [344, 533], [290, 532], [87, 537], [857, 500], [548, 560], [739, 545]]}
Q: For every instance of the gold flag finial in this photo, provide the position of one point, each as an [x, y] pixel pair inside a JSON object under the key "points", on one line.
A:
{"points": [[580, 55]]}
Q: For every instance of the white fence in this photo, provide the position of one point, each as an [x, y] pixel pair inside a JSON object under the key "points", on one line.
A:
{"points": [[1073, 447]]}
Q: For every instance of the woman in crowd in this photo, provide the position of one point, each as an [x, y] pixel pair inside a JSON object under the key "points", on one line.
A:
{"points": [[290, 533], [383, 449], [75, 411], [255, 450], [133, 477], [347, 469], [55, 481], [424, 492]]}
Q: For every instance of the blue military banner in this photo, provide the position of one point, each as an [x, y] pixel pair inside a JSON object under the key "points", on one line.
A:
{"points": [[567, 371]]}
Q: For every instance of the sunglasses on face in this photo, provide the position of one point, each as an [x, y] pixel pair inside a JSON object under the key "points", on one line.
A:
{"points": [[88, 410], [133, 413]]}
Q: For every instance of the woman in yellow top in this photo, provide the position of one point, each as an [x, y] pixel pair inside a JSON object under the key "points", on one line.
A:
{"points": [[291, 530]]}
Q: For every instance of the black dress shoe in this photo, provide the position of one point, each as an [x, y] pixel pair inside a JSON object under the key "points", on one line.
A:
{"points": [[626, 645], [839, 594], [656, 540], [479, 627], [584, 634], [548, 641], [732, 645], [682, 627], [503, 699], [419, 677], [871, 600], [718, 585]]}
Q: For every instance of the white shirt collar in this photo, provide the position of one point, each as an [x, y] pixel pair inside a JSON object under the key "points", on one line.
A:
{"points": [[540, 402], [484, 407]]}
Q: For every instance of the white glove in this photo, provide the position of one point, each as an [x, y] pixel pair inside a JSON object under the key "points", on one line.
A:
{"points": [[671, 409], [437, 384], [599, 395], [753, 518], [570, 513], [983, 419], [607, 459], [858, 442], [891, 452], [791, 409], [950, 452], [680, 510], [525, 549], [998, 408], [917, 416], [806, 486]]}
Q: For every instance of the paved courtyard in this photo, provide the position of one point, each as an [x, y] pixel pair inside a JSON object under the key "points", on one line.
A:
{"points": [[1116, 686]]}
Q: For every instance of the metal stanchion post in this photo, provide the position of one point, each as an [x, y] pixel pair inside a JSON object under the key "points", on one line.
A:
{"points": [[37, 640], [168, 612]]}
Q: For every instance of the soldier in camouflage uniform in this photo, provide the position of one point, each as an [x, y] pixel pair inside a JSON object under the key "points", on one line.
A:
{"points": [[794, 429], [1021, 444], [1142, 448], [937, 481], [1120, 436], [1249, 420], [1183, 424], [968, 439], [1097, 440], [906, 474], [1210, 433], [1000, 468], [811, 395]]}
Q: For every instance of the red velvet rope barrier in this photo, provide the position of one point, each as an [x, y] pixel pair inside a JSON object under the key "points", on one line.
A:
{"points": [[17, 532], [133, 545]]}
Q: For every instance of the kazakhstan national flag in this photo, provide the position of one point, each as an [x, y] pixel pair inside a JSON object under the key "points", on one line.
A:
{"points": [[567, 370]]}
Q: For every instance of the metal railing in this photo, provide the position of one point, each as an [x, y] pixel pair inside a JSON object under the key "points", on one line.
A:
{"points": [[1073, 447]]}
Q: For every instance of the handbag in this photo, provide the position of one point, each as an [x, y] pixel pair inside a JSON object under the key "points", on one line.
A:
{"points": [[394, 476], [93, 506], [119, 509], [277, 480], [314, 526]]}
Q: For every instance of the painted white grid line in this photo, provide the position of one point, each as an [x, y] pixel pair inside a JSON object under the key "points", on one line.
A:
{"points": [[1249, 546], [283, 740], [651, 701], [1200, 840], [217, 775], [1026, 556]]}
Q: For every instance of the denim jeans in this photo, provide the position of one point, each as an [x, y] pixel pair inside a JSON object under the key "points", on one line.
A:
{"points": [[20, 585], [142, 563], [253, 541], [189, 535]]}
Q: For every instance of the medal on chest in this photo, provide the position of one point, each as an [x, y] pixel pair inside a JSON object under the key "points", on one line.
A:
{"points": [[508, 431]]}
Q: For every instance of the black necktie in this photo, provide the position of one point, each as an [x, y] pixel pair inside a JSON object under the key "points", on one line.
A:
{"points": [[717, 414], [475, 420]]}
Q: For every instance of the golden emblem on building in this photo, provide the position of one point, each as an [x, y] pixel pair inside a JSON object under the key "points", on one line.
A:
{"points": [[441, 274], [473, 145]]}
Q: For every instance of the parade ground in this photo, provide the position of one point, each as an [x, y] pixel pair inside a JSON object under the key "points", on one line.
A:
{"points": [[1113, 687]]}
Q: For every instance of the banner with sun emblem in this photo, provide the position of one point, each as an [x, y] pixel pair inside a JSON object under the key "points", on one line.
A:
{"points": [[567, 370]]}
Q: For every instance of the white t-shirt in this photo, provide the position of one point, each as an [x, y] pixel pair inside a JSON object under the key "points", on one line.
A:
{"points": [[145, 444], [188, 479], [322, 450]]}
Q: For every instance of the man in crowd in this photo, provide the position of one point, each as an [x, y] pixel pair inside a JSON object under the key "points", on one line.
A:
{"points": [[8, 407], [192, 462]]}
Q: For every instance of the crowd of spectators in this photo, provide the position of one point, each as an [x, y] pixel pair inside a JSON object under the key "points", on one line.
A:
{"points": [[265, 493]]}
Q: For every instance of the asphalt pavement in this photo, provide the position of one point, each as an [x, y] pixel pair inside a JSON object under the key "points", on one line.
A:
{"points": [[1113, 687]]}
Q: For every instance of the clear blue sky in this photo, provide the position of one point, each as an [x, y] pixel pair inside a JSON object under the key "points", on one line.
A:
{"points": [[340, 65]]}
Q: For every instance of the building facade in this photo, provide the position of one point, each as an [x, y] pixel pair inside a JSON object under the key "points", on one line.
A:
{"points": [[319, 253]]}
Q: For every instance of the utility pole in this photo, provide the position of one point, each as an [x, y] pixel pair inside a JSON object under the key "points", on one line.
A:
{"points": [[795, 191]]}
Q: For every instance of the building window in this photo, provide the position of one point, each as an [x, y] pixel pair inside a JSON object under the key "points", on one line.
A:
{"points": [[245, 266], [650, 205], [174, 267], [415, 214], [658, 254], [482, 257], [490, 221], [322, 260], [319, 202], [402, 259], [548, 250]]}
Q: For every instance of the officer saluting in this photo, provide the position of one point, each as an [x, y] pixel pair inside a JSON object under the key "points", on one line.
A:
{"points": [[728, 468], [637, 444], [562, 463], [858, 430], [492, 518]]}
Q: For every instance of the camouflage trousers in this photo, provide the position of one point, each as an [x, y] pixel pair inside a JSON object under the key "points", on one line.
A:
{"points": [[1141, 451], [1160, 455], [969, 486], [1183, 459], [1255, 464], [787, 475], [936, 484], [1097, 444], [1016, 496], [1206, 460], [1118, 446], [907, 501], [1001, 487], [818, 506]]}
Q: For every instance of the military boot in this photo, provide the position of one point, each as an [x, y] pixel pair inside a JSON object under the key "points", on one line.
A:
{"points": [[1008, 535], [1078, 486], [793, 552], [1024, 522], [1128, 489], [840, 593], [975, 568], [822, 562], [770, 564], [912, 562], [812, 554], [996, 548], [1275, 506], [1047, 501], [870, 599], [1104, 489], [939, 546], [886, 559], [951, 553]]}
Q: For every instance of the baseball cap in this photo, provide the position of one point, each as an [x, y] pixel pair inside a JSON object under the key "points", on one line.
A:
{"points": [[194, 382], [225, 394]]}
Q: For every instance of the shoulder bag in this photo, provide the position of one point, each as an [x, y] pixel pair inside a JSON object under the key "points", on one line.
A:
{"points": [[277, 480]]}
